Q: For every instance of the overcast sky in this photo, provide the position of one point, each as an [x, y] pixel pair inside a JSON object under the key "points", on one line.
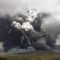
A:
{"points": [[13, 6]]}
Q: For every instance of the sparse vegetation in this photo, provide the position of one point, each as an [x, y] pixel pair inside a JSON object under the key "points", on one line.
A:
{"points": [[43, 55]]}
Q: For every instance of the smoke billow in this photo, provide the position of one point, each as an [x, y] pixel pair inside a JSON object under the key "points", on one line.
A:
{"points": [[29, 29]]}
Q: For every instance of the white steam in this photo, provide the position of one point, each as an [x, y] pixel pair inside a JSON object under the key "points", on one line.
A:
{"points": [[17, 25], [27, 26], [51, 25]]}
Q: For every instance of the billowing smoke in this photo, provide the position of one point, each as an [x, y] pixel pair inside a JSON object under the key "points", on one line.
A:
{"points": [[51, 26], [21, 33], [29, 29]]}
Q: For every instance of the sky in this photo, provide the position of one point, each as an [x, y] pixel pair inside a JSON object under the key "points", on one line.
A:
{"points": [[16, 6]]}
